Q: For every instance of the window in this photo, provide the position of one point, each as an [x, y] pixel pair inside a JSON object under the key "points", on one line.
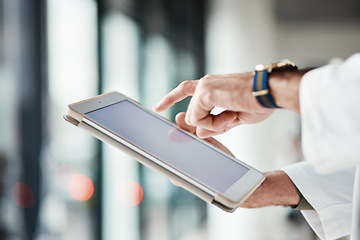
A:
{"points": [[58, 182]]}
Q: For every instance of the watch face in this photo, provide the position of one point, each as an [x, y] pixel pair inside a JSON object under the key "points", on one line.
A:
{"points": [[278, 65]]}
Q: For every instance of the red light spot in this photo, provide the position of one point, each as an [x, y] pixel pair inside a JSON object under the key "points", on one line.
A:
{"points": [[129, 193], [80, 187], [22, 195]]}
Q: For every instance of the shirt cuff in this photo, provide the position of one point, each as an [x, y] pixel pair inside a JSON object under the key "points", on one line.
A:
{"points": [[303, 204]]}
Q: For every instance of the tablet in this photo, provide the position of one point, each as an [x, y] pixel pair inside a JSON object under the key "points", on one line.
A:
{"points": [[159, 144]]}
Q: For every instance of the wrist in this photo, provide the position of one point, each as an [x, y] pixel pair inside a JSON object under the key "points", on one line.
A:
{"points": [[276, 190], [285, 87], [282, 190], [261, 86]]}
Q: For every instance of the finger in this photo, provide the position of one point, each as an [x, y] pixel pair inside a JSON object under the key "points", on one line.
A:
{"points": [[216, 123], [204, 133], [253, 117], [180, 121], [185, 89], [175, 135]]}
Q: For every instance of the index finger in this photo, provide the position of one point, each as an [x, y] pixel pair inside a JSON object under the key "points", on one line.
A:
{"points": [[183, 90]]}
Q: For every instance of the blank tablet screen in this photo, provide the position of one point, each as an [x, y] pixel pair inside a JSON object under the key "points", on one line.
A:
{"points": [[162, 140]]}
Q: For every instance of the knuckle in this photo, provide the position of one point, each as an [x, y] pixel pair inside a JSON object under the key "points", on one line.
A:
{"points": [[185, 85], [195, 121], [192, 121], [206, 84], [188, 120], [208, 76], [206, 98]]}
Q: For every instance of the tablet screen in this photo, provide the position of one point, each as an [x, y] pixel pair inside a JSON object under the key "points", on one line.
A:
{"points": [[165, 142]]}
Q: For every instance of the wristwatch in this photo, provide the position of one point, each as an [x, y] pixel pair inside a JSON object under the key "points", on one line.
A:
{"points": [[261, 87]]}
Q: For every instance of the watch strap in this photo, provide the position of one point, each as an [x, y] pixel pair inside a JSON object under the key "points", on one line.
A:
{"points": [[261, 90]]}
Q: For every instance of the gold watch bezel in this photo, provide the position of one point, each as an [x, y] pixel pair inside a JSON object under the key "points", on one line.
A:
{"points": [[278, 65]]}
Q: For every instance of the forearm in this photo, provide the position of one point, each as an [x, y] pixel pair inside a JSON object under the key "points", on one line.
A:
{"points": [[277, 189]]}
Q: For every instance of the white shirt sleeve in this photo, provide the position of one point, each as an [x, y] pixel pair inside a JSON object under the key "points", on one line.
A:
{"points": [[330, 115], [329, 194]]}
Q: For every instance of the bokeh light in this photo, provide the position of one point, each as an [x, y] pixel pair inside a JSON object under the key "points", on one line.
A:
{"points": [[80, 187], [129, 193], [22, 195]]}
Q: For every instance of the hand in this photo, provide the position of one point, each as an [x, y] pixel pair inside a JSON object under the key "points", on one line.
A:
{"points": [[232, 92], [180, 120], [277, 189]]}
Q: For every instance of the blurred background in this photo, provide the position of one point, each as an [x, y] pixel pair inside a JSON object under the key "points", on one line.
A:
{"points": [[58, 182]]}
